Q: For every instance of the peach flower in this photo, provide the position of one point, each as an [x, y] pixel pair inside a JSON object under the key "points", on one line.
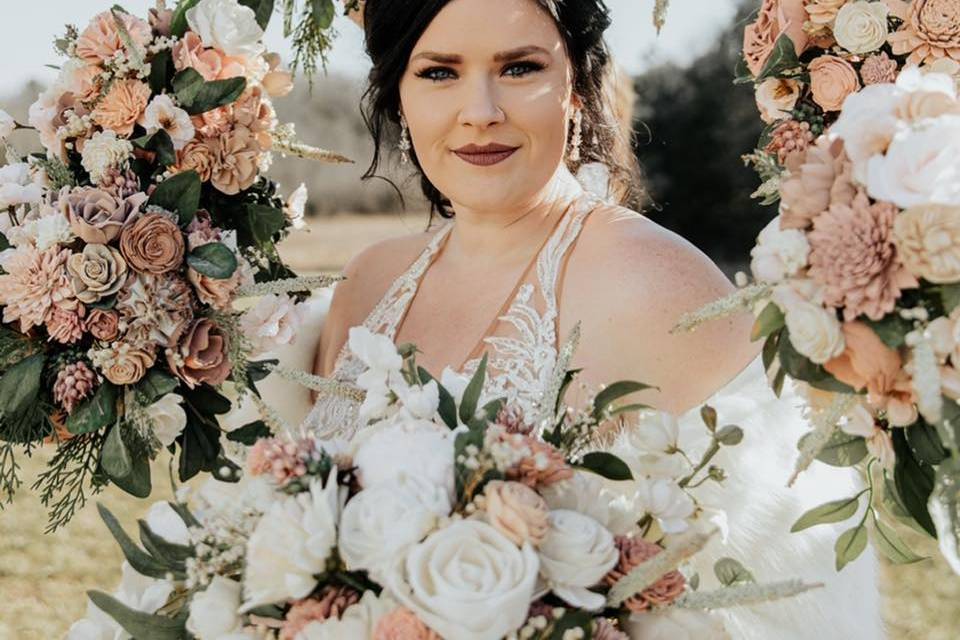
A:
{"points": [[928, 239], [216, 292], [776, 17], [930, 30], [102, 324], [866, 363], [816, 181], [64, 321], [212, 64], [788, 139], [195, 156], [403, 624], [201, 355], [32, 282], [153, 243], [853, 255], [101, 39], [236, 160], [832, 79], [823, 12], [879, 69], [120, 109], [123, 362], [516, 511], [253, 111]]}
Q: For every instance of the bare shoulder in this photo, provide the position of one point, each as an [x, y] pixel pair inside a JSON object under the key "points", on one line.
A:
{"points": [[368, 275], [649, 277]]}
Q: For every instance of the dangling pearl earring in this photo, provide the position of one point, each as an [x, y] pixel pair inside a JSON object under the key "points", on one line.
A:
{"points": [[404, 144], [577, 135]]}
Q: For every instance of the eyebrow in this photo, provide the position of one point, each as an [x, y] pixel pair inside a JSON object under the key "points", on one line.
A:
{"points": [[501, 56]]}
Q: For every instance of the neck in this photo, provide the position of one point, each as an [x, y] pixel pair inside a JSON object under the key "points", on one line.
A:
{"points": [[498, 235]]}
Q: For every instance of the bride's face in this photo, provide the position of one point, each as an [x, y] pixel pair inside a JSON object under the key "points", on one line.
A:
{"points": [[489, 71]]}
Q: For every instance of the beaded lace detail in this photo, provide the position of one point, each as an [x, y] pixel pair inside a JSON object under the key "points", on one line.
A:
{"points": [[521, 356]]}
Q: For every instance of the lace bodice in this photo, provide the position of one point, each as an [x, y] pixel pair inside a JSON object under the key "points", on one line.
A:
{"points": [[521, 350]]}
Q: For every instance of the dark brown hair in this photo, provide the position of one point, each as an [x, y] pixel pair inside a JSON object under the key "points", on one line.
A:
{"points": [[393, 28]]}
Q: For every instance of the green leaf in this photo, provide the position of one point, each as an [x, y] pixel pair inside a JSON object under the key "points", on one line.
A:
{"points": [[834, 511], [139, 624], [155, 385], [925, 442], [170, 552], [612, 393], [770, 320], [892, 330], [741, 72], [572, 619], [730, 572], [783, 58], [730, 435], [770, 348], [262, 223], [214, 260], [15, 348], [448, 406], [140, 560], [179, 194], [197, 95], [263, 9], [138, 482], [607, 465], [161, 71], [950, 295], [322, 12], [114, 457], [20, 387], [799, 367], [96, 413], [850, 545], [471, 395], [568, 379], [709, 416], [248, 434], [892, 546], [209, 400], [914, 480], [487, 414], [178, 25], [4, 243], [200, 441], [160, 143], [842, 449]]}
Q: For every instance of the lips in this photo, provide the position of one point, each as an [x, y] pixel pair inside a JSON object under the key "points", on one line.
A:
{"points": [[485, 155]]}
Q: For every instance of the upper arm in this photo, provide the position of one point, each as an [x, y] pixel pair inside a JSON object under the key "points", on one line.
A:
{"points": [[650, 278]]}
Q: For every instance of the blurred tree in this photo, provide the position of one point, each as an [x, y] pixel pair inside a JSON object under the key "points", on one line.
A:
{"points": [[693, 124]]}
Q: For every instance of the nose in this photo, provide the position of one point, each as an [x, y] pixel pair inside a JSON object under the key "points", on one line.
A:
{"points": [[480, 108]]}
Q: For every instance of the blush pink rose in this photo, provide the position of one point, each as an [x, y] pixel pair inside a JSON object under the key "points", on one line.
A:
{"points": [[189, 52], [832, 80], [776, 18]]}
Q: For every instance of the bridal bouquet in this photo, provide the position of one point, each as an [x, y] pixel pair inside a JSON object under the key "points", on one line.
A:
{"points": [[857, 281], [441, 519], [126, 245]]}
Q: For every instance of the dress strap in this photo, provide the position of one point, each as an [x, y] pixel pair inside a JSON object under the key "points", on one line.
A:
{"points": [[552, 262]]}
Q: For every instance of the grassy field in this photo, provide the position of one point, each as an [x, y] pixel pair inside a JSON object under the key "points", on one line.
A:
{"points": [[43, 577]]}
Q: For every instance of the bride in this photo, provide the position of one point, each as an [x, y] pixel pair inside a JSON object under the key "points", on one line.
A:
{"points": [[499, 102]]}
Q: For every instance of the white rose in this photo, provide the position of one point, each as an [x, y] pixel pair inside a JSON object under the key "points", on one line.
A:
{"points": [[575, 555], [228, 26], [7, 125], [272, 322], [167, 418], [674, 623], [161, 113], [380, 523], [868, 123], [587, 493], [467, 581], [296, 206], [776, 98], [666, 502], [166, 523], [214, 611], [421, 402], [861, 27], [358, 621], [291, 544], [427, 454], [921, 166], [779, 253], [815, 332]]}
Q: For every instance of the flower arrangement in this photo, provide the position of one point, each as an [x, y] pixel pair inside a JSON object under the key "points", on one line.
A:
{"points": [[857, 280], [442, 519], [126, 245]]}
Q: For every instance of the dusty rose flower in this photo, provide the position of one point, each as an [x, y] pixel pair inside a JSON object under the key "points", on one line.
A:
{"points": [[817, 180], [215, 292], [102, 324], [155, 308], [121, 183], [101, 39], [516, 511], [64, 321], [789, 138], [775, 18], [123, 362], [633, 553], [95, 215], [97, 272], [878, 69], [236, 157], [928, 240], [201, 355], [605, 630], [120, 109], [832, 79], [163, 114], [403, 624], [212, 64], [542, 465], [213, 123], [153, 243], [32, 283], [853, 255], [195, 156], [75, 383], [278, 83], [331, 602], [201, 231], [511, 418], [82, 82], [930, 31], [253, 111]]}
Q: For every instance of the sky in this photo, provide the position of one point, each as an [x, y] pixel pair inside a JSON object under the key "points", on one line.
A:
{"points": [[28, 30]]}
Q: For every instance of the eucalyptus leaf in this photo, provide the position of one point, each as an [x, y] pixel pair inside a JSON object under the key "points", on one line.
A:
{"points": [[140, 560], [471, 395], [570, 620], [248, 434], [197, 95], [606, 465], [214, 260], [834, 511], [179, 194], [730, 435], [799, 367], [850, 545], [842, 449], [914, 482], [138, 482], [892, 330], [322, 12], [782, 59], [155, 385], [139, 624], [114, 457], [612, 393], [770, 348], [4, 243], [950, 296], [169, 552], [20, 386], [925, 442], [730, 572], [162, 71], [262, 9], [96, 413], [891, 545], [160, 143], [448, 406]]}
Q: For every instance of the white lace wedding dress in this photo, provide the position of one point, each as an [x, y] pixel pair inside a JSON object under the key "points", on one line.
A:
{"points": [[760, 509]]}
